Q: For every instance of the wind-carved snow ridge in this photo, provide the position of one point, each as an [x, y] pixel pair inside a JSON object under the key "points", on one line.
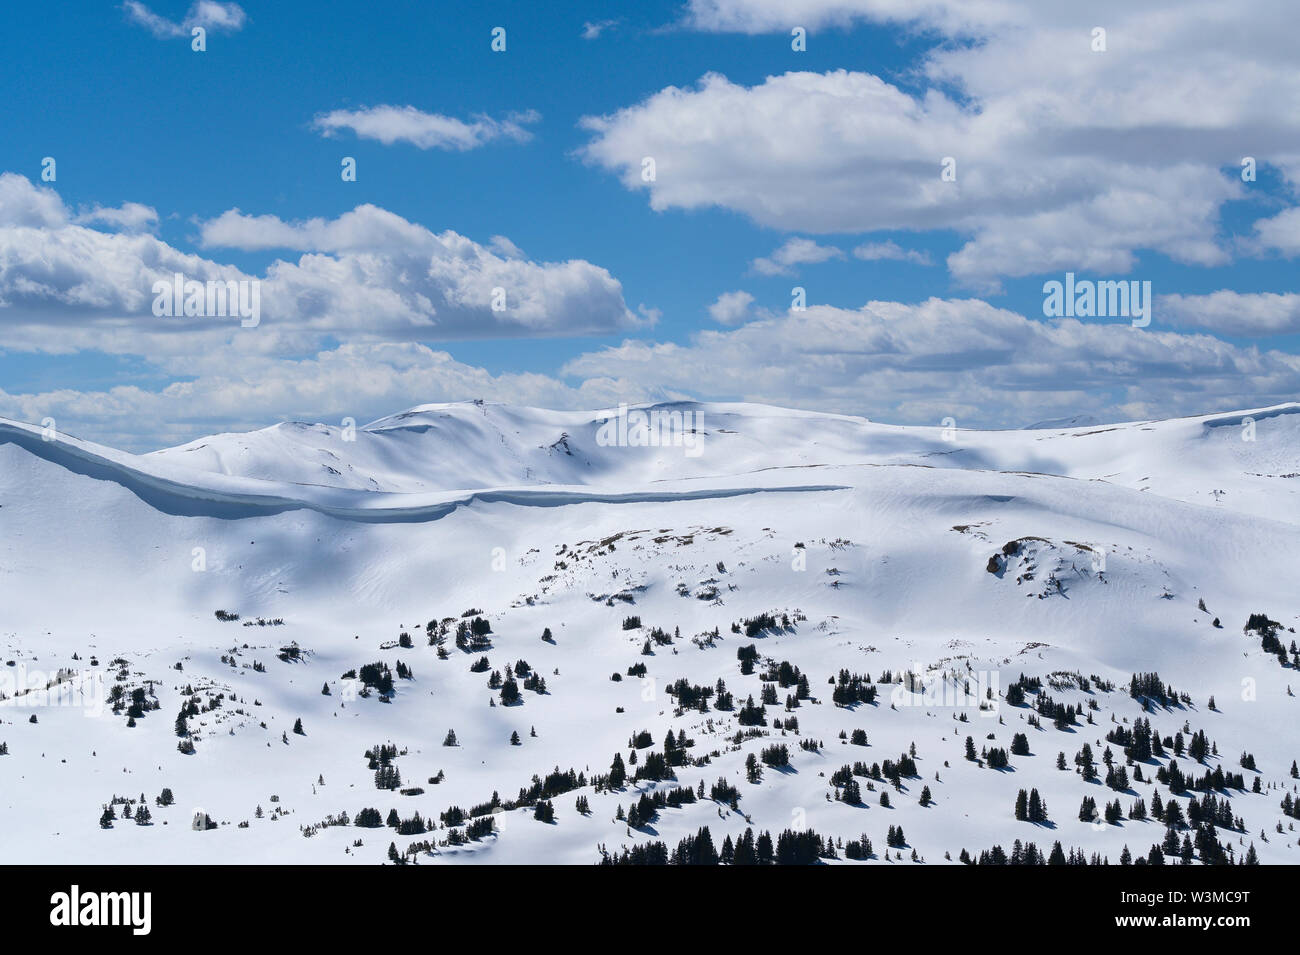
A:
{"points": [[205, 495], [1263, 414]]}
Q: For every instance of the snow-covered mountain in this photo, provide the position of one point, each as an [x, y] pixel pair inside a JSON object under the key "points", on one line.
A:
{"points": [[1057, 424], [1077, 556]]}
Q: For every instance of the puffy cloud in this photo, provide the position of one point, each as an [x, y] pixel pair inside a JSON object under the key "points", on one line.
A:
{"points": [[798, 148], [1226, 312], [229, 392], [58, 277], [365, 228], [377, 273], [793, 253], [592, 29], [392, 124], [368, 275], [731, 308], [988, 367], [503, 247], [767, 16], [1279, 233], [890, 252], [207, 14], [1064, 157], [23, 205], [129, 217]]}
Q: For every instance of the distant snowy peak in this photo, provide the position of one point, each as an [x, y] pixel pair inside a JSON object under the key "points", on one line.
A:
{"points": [[1061, 424]]}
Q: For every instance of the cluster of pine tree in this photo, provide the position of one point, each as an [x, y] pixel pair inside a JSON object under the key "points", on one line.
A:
{"points": [[689, 696], [472, 635], [1029, 854], [411, 827], [1291, 807], [1211, 780], [491, 806], [1149, 688], [789, 848], [1117, 777], [896, 772], [379, 759], [1030, 807], [858, 849], [753, 626], [1269, 641], [722, 791], [375, 676], [654, 767], [1016, 691], [1141, 743], [853, 688], [646, 809], [1062, 715], [847, 788], [751, 714], [776, 755], [554, 783]]}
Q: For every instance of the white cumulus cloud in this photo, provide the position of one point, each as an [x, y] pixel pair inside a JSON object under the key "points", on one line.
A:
{"points": [[208, 14], [367, 275], [890, 252], [918, 363], [394, 124], [731, 308], [1226, 312], [793, 253], [1062, 155]]}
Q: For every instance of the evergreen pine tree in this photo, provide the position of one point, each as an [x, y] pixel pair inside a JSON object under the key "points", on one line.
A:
{"points": [[617, 773]]}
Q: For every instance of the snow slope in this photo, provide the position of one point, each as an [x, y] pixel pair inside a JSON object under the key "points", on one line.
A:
{"points": [[876, 540]]}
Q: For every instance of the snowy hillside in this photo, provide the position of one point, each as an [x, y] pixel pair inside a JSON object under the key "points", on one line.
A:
{"points": [[394, 581]]}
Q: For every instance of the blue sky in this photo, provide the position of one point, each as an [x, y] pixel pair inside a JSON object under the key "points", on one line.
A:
{"points": [[1122, 163]]}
